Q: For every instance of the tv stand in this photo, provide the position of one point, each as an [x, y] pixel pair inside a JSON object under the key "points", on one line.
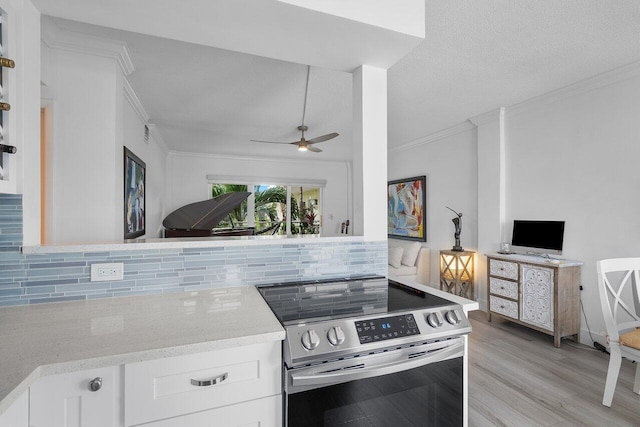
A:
{"points": [[537, 292]]}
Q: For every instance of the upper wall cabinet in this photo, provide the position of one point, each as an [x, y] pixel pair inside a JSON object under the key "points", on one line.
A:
{"points": [[7, 121]]}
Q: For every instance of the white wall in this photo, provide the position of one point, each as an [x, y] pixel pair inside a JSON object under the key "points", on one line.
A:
{"points": [[81, 179], [450, 165], [187, 180], [569, 155], [576, 159], [91, 120]]}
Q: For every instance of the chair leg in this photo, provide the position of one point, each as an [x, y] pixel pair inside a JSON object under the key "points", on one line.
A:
{"points": [[615, 359], [636, 383]]}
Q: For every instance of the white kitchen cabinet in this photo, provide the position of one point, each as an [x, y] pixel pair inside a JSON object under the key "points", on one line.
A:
{"points": [[232, 382], [17, 415], [265, 412], [67, 400]]}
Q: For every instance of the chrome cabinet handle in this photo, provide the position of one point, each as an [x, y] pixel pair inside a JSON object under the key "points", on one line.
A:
{"points": [[95, 384], [210, 382]]}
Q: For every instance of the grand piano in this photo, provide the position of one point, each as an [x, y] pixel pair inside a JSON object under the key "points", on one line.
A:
{"points": [[199, 219]]}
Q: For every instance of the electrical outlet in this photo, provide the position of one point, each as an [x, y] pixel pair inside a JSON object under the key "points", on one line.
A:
{"points": [[107, 272]]}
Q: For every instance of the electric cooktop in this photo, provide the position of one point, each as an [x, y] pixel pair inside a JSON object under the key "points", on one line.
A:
{"points": [[299, 302]]}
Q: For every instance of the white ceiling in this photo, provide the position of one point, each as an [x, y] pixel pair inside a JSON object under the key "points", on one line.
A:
{"points": [[477, 55]]}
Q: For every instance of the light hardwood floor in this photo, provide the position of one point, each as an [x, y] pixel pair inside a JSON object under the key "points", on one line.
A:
{"points": [[518, 378]]}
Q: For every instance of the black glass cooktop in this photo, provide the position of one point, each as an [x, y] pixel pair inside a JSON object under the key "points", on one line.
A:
{"points": [[322, 300]]}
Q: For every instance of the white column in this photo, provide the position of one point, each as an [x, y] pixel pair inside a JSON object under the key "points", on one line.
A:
{"points": [[370, 153], [491, 192]]}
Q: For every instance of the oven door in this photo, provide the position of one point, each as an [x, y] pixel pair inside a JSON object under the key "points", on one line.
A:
{"points": [[416, 386]]}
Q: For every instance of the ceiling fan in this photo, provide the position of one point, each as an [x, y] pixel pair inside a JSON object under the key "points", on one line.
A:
{"points": [[305, 144]]}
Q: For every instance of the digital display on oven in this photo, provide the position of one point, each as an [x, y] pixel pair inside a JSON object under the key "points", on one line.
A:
{"points": [[386, 328]]}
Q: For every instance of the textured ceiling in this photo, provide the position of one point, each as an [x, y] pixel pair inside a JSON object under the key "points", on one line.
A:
{"points": [[477, 55]]}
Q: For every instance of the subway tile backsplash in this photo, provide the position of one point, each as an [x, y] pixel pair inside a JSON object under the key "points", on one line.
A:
{"points": [[40, 278]]}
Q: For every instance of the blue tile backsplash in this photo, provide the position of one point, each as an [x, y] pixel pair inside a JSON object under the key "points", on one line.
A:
{"points": [[40, 278]]}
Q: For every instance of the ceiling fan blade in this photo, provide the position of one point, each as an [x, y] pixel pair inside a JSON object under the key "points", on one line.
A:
{"points": [[314, 149], [322, 138], [272, 142]]}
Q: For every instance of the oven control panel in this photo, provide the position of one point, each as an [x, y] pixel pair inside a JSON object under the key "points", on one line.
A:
{"points": [[385, 328]]}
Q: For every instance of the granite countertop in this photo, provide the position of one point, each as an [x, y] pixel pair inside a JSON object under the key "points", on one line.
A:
{"points": [[47, 339]]}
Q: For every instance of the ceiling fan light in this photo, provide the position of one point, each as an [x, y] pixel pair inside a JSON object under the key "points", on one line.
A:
{"points": [[302, 148]]}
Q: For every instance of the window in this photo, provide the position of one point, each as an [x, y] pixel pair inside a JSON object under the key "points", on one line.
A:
{"points": [[277, 209]]}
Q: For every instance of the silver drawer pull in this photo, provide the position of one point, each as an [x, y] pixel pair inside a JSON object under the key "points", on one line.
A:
{"points": [[212, 381]]}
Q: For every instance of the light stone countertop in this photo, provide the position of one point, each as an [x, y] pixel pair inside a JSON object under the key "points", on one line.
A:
{"points": [[186, 242], [551, 261], [48, 339]]}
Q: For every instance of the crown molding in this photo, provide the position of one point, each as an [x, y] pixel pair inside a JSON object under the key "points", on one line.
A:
{"points": [[175, 153], [266, 180], [131, 96], [133, 99], [488, 117], [616, 75], [445, 133], [55, 37]]}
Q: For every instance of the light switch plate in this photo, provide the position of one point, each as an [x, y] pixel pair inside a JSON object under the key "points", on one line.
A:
{"points": [[107, 272]]}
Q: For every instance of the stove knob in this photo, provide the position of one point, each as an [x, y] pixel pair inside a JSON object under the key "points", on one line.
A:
{"points": [[310, 339], [434, 320], [452, 317], [335, 336]]}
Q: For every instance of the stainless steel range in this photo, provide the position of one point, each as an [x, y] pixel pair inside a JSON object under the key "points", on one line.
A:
{"points": [[370, 352]]}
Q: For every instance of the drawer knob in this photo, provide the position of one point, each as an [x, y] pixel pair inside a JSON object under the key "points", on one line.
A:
{"points": [[95, 384], [210, 382]]}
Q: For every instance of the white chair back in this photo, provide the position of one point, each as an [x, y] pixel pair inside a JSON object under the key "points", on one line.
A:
{"points": [[617, 280]]}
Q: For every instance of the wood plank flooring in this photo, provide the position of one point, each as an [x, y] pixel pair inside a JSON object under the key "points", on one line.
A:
{"points": [[518, 378]]}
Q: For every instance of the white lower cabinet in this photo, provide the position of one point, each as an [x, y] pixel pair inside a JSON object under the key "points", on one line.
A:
{"points": [[227, 384], [231, 387], [17, 415], [91, 398], [265, 412]]}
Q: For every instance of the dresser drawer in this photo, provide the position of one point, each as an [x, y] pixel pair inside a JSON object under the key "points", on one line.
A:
{"points": [[503, 288], [163, 388], [503, 306], [506, 269]]}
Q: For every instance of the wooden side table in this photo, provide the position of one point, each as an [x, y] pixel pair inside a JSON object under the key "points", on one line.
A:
{"points": [[456, 273]]}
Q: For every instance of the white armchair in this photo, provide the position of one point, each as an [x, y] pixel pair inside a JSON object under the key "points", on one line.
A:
{"points": [[621, 308]]}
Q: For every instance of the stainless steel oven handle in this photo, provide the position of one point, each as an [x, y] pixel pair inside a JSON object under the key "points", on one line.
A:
{"points": [[454, 350]]}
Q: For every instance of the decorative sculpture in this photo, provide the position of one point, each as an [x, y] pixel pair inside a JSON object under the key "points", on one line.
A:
{"points": [[457, 222]]}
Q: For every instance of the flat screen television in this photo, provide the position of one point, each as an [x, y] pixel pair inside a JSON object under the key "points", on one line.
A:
{"points": [[538, 236]]}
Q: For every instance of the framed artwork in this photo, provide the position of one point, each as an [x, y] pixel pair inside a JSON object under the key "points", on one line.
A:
{"points": [[134, 198], [406, 208]]}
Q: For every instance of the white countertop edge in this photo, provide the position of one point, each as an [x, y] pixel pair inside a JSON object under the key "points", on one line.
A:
{"points": [[467, 304], [139, 356], [189, 242]]}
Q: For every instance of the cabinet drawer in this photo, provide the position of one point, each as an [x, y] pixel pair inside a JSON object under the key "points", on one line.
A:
{"points": [[503, 306], [265, 412], [506, 269], [163, 388], [503, 288]]}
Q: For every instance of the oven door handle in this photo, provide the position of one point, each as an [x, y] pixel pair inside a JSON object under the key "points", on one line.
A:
{"points": [[371, 370]]}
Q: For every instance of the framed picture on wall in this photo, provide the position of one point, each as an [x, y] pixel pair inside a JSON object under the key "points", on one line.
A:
{"points": [[406, 208], [134, 198]]}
